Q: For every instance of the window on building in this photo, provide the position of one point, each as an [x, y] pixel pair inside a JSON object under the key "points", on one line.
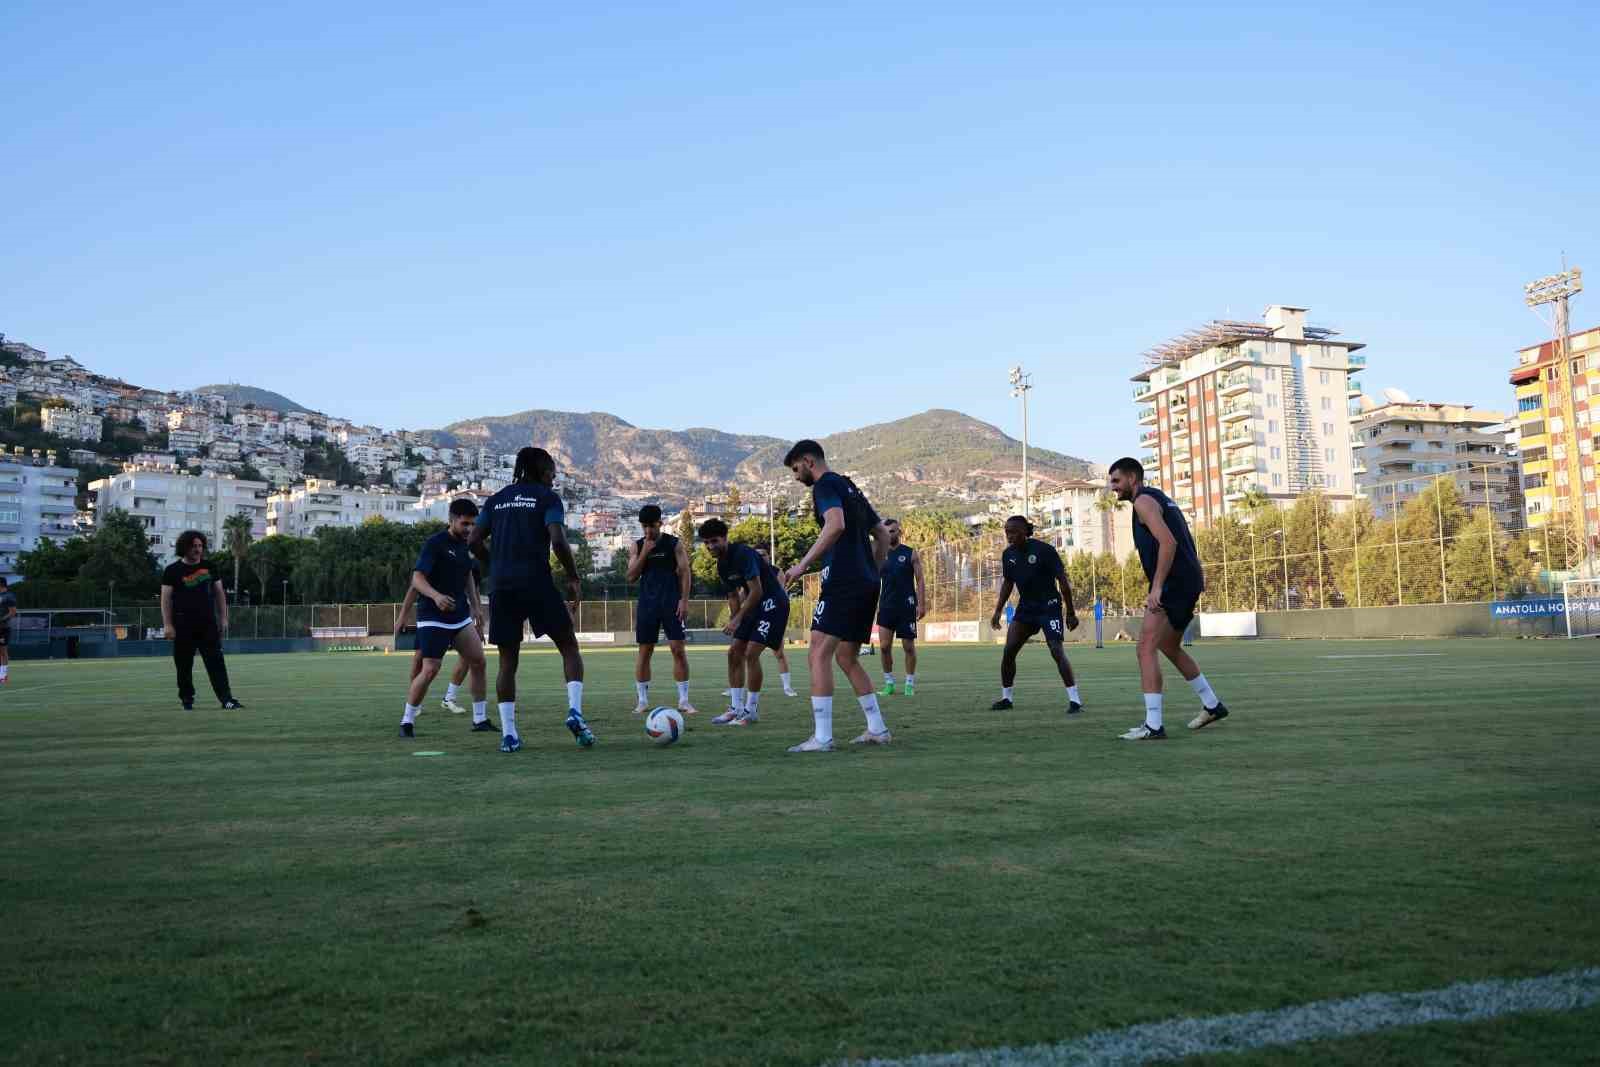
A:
{"points": [[1323, 377], [1277, 481], [1327, 429], [1530, 403], [1272, 425], [1327, 455], [1277, 453], [1327, 403], [1272, 400]]}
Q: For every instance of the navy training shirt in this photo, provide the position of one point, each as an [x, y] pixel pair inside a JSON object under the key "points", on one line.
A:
{"points": [[658, 582], [743, 565], [849, 561], [518, 519], [899, 580], [447, 565], [1033, 568], [1186, 571]]}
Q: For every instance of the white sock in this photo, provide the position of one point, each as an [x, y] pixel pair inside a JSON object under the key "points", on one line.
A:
{"points": [[480, 710], [644, 691], [788, 686], [736, 698], [752, 701], [1072, 694], [410, 715], [822, 715], [1005, 692], [683, 692], [911, 679], [888, 677], [575, 696], [508, 718], [451, 690], [1152, 710], [1208, 699], [869, 705]]}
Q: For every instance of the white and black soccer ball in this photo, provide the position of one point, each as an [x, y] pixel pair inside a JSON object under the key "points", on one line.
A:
{"points": [[664, 725]]}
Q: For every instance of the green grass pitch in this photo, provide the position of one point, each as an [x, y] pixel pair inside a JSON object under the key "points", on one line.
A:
{"points": [[289, 884]]}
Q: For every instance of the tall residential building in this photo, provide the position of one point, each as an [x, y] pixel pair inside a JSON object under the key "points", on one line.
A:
{"points": [[37, 503], [167, 503], [1072, 519], [1403, 445], [1557, 432], [304, 509], [1233, 406]]}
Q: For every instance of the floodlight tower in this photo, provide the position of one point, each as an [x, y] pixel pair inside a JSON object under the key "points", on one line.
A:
{"points": [[1556, 290], [1021, 383]]}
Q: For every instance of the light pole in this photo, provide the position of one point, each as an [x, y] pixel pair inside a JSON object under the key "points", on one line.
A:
{"points": [[1255, 589], [1557, 290], [1283, 535], [286, 607], [1021, 383]]}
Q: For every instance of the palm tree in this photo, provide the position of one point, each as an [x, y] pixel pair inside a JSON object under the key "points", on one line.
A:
{"points": [[237, 534]]}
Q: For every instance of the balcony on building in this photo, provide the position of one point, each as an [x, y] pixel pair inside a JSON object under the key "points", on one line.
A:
{"points": [[1241, 461], [1239, 409], [1353, 387], [1355, 362], [1237, 488], [1233, 384], [1238, 437], [50, 489], [1180, 402], [1147, 415], [1142, 390], [1150, 460], [1150, 438]]}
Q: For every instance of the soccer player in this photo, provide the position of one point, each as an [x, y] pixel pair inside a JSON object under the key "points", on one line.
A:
{"points": [[758, 616], [902, 603], [8, 611], [659, 562], [1166, 549], [778, 653], [458, 677], [194, 617], [1034, 567], [449, 614], [852, 546], [524, 525]]}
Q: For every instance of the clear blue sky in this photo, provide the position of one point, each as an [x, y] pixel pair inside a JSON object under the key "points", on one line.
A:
{"points": [[789, 219]]}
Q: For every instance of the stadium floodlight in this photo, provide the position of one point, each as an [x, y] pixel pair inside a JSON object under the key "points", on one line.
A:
{"points": [[1557, 290], [1021, 383]]}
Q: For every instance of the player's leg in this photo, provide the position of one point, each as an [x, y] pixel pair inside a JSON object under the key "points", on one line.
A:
{"points": [[641, 676], [472, 662], [1058, 652], [209, 645], [1152, 636], [1017, 635], [183, 646], [680, 674], [848, 656], [819, 659], [783, 670], [5, 653], [433, 647], [558, 624], [753, 678], [507, 613], [736, 687], [909, 643], [1211, 706], [886, 651], [452, 688]]}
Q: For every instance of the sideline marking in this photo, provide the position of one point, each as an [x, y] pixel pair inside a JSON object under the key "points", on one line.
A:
{"points": [[1179, 1038], [427, 753], [1381, 655]]}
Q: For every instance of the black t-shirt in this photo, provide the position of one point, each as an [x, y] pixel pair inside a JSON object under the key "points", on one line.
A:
{"points": [[193, 598]]}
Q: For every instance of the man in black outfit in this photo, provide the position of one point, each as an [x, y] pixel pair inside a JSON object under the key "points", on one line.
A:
{"points": [[194, 616]]}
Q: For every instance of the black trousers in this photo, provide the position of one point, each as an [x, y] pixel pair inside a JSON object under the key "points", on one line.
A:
{"points": [[202, 637]]}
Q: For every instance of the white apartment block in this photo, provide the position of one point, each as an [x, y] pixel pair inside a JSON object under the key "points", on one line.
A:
{"points": [[184, 442], [168, 503], [1073, 519], [306, 508], [37, 503], [1404, 445], [75, 423], [8, 392], [1234, 406]]}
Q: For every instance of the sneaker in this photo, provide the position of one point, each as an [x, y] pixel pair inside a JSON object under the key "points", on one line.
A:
{"points": [[232, 705], [911, 689], [1000, 705], [811, 744], [580, 728], [870, 738], [726, 717], [484, 727], [1074, 708], [451, 706], [1208, 716], [510, 744], [188, 705], [790, 693], [887, 690], [687, 708], [641, 707], [746, 718], [406, 730], [1143, 732]]}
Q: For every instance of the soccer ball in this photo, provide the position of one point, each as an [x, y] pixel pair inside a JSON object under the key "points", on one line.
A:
{"points": [[665, 725]]}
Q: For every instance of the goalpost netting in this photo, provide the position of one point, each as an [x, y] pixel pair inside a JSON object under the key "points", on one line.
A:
{"points": [[1581, 604]]}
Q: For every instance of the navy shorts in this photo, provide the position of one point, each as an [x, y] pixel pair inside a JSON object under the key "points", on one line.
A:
{"points": [[434, 641], [5, 636], [1179, 602], [1042, 615], [653, 618], [538, 605], [847, 613], [766, 625], [902, 626]]}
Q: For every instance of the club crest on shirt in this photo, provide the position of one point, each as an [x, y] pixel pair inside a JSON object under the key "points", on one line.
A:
{"points": [[1032, 558]]}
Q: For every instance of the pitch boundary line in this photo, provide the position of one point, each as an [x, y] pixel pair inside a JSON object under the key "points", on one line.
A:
{"points": [[1174, 1039]]}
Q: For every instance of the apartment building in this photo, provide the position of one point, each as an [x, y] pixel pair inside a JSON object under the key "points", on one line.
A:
{"points": [[37, 503], [168, 502], [1072, 518], [75, 423], [1403, 445], [1234, 406], [1557, 432], [304, 509]]}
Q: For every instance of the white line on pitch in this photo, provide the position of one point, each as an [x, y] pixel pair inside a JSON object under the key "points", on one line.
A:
{"points": [[1381, 655], [1175, 1039]]}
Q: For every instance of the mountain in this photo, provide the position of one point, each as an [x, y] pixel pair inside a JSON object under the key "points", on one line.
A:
{"points": [[936, 457], [240, 395]]}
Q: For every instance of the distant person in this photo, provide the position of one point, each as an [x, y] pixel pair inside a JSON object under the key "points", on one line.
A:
{"points": [[1167, 552], [852, 546], [659, 562], [902, 602], [449, 614], [778, 653], [194, 617], [523, 525], [458, 677], [758, 615], [8, 612], [1045, 605]]}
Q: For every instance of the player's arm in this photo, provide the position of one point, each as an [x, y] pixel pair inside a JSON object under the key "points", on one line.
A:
{"points": [[478, 542], [880, 545], [1069, 613], [221, 598], [169, 631], [1149, 513], [405, 608], [637, 555], [832, 530], [563, 551], [1006, 586], [477, 604], [420, 583], [685, 581], [922, 588], [738, 601]]}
